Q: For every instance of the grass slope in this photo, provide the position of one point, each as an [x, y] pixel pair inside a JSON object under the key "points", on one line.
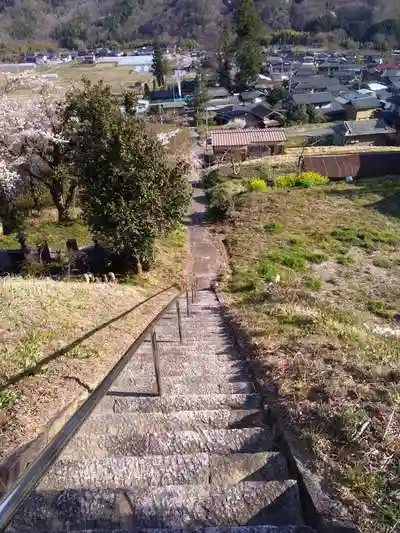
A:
{"points": [[40, 317], [327, 333]]}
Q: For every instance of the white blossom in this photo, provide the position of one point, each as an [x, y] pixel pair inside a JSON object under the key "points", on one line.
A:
{"points": [[28, 124]]}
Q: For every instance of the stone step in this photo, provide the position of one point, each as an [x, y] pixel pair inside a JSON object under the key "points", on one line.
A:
{"points": [[206, 367], [177, 351], [125, 441], [174, 421], [167, 404], [157, 470], [229, 383], [216, 529], [249, 503], [172, 385], [194, 354], [208, 344], [192, 327]]}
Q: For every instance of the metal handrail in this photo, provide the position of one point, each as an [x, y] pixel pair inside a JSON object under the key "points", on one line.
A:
{"points": [[13, 500]]}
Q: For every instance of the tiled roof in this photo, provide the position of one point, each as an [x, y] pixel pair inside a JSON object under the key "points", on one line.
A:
{"points": [[357, 128], [312, 98], [261, 110], [369, 102], [245, 137]]}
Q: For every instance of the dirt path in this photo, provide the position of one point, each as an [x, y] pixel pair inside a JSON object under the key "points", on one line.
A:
{"points": [[207, 260]]}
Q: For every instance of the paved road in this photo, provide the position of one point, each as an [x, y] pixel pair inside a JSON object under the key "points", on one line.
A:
{"points": [[206, 261]]}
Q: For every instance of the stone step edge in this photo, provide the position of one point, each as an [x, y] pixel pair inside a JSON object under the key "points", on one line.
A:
{"points": [[215, 529]]}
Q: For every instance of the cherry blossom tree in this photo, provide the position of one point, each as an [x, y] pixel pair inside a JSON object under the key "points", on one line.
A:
{"points": [[34, 145]]}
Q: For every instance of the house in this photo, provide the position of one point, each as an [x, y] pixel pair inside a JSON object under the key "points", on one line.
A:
{"points": [[306, 70], [245, 143], [161, 95], [213, 93], [375, 131], [262, 115], [358, 165], [88, 60], [263, 83], [232, 114], [392, 111], [318, 99], [393, 83], [173, 108], [219, 103], [335, 111], [302, 84], [362, 107], [388, 69], [139, 63], [251, 97]]}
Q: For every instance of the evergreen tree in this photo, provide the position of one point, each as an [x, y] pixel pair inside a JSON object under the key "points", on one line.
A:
{"points": [[297, 114], [248, 22], [129, 190], [200, 100], [159, 67], [249, 56], [226, 51], [249, 59]]}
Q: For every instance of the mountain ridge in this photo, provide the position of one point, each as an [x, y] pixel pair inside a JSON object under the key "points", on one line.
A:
{"points": [[70, 23]]}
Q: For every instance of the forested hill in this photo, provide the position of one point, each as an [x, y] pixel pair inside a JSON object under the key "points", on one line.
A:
{"points": [[75, 22]]}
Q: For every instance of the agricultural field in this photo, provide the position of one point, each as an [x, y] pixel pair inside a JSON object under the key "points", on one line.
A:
{"points": [[118, 77], [315, 288]]}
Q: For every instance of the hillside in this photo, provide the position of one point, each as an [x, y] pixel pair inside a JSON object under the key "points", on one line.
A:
{"points": [[71, 23], [326, 330], [58, 341]]}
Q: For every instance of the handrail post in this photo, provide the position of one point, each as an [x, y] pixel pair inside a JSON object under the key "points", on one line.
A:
{"points": [[178, 311], [156, 360], [187, 302]]}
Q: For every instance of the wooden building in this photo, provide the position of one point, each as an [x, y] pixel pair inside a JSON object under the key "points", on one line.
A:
{"points": [[362, 108], [244, 143]]}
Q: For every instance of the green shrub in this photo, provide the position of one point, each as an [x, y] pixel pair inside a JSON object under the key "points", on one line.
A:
{"points": [[221, 202], [7, 398], [273, 227], [315, 257], [367, 240], [294, 259], [243, 280], [345, 259], [257, 185], [296, 241], [267, 271], [381, 309], [304, 180], [212, 179], [315, 284]]}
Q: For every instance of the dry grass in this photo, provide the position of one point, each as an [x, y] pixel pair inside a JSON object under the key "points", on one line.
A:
{"points": [[39, 318], [172, 261], [326, 332], [291, 157], [119, 78]]}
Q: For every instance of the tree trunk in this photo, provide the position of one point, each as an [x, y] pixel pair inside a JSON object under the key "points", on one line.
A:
{"points": [[63, 203], [58, 199]]}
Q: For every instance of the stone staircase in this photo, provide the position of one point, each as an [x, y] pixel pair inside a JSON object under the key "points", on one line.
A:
{"points": [[197, 458]]}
